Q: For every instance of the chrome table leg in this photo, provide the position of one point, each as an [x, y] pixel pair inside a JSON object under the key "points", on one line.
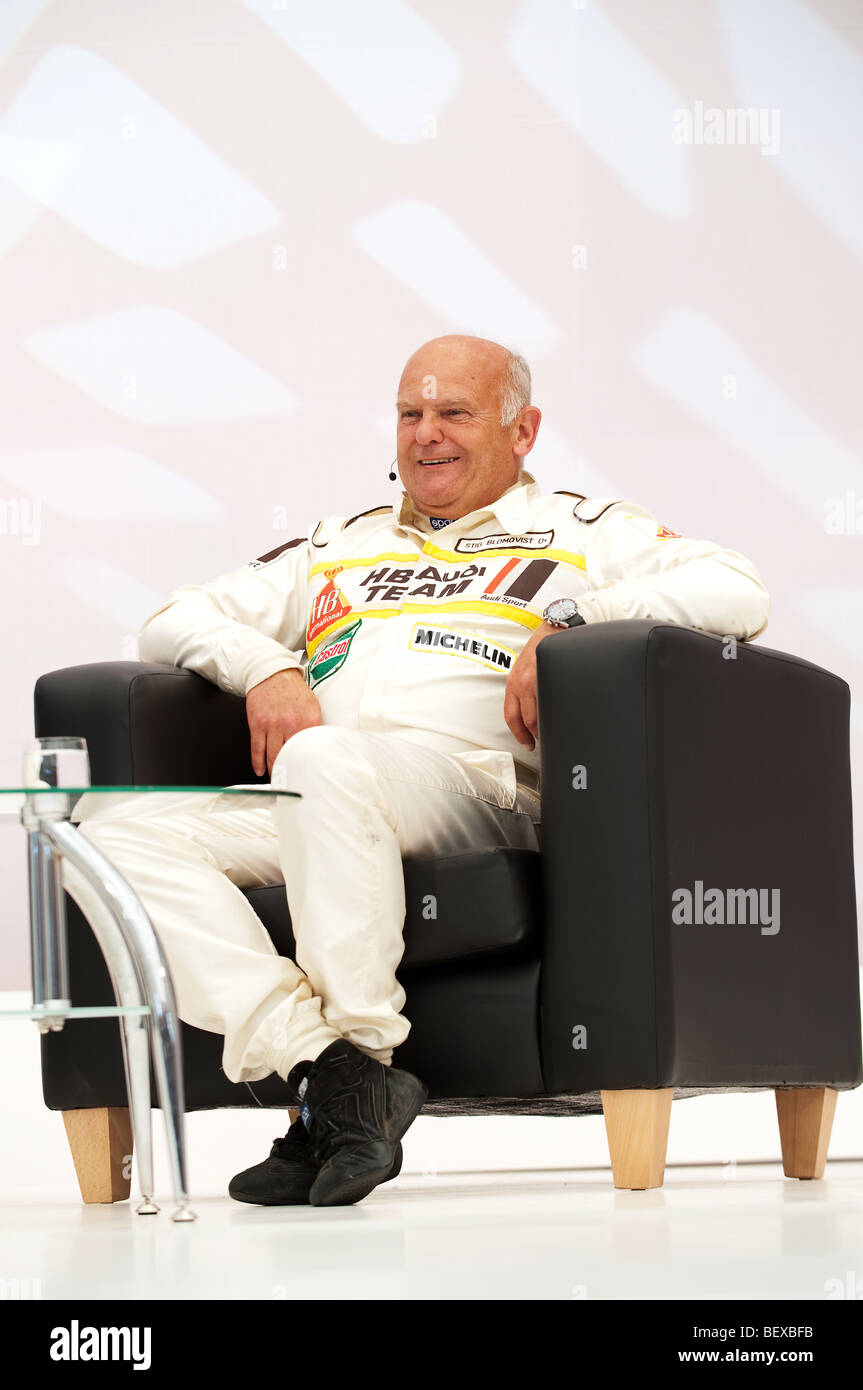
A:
{"points": [[140, 947], [47, 930], [47, 921]]}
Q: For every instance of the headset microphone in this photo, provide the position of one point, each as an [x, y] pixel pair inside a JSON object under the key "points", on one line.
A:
{"points": [[393, 473]]}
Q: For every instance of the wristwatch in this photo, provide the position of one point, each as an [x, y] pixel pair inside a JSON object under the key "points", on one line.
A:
{"points": [[563, 612]]}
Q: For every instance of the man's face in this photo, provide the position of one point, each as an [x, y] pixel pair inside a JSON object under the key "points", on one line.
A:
{"points": [[453, 454]]}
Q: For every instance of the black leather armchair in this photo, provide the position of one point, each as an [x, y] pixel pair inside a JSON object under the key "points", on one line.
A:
{"points": [[559, 982]]}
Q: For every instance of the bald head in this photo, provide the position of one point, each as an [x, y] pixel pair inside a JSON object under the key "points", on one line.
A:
{"points": [[465, 423], [507, 370]]}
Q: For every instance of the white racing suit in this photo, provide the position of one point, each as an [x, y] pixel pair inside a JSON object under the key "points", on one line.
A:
{"points": [[406, 634]]}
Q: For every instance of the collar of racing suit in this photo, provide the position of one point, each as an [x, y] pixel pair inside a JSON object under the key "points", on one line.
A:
{"points": [[512, 509]]}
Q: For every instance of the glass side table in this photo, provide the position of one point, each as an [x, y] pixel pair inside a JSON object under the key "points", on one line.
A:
{"points": [[146, 1005]]}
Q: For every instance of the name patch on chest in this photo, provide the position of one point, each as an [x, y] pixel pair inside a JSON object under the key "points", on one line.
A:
{"points": [[446, 639], [529, 540]]}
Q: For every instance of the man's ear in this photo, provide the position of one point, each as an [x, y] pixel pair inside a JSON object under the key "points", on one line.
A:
{"points": [[528, 428]]}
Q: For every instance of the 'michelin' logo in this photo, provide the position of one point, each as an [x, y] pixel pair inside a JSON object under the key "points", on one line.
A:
{"points": [[444, 639]]}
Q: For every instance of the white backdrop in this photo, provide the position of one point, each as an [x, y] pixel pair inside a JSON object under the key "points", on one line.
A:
{"points": [[225, 225]]}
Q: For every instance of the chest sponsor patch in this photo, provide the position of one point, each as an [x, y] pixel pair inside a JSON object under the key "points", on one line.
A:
{"points": [[425, 638], [328, 607], [526, 578], [528, 540], [332, 655], [386, 584]]}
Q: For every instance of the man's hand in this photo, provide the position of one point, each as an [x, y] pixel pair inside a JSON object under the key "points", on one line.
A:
{"points": [[519, 706], [276, 709]]}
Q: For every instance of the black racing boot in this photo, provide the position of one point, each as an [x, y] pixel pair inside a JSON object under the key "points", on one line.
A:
{"points": [[356, 1111], [285, 1178]]}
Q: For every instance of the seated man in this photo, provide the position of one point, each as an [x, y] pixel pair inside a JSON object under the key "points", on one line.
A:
{"points": [[388, 662]]}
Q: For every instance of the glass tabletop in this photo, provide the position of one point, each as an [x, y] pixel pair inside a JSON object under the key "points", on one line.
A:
{"points": [[265, 788], [82, 802], [49, 1011]]}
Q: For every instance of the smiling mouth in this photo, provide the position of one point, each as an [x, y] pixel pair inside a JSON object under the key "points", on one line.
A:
{"points": [[430, 463]]}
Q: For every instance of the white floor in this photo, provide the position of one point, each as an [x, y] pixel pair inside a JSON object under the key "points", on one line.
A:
{"points": [[470, 1236], [504, 1207]]}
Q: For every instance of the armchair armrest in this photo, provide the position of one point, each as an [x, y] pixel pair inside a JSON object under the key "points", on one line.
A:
{"points": [[703, 764], [148, 723]]}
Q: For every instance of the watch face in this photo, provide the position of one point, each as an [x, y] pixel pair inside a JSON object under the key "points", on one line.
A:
{"points": [[562, 609]]}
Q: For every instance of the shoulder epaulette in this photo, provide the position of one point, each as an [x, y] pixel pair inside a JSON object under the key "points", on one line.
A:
{"points": [[271, 554], [314, 536], [592, 508], [370, 512], [345, 524]]}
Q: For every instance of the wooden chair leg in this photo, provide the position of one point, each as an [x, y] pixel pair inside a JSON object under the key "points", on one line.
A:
{"points": [[636, 1123], [101, 1144], [805, 1121]]}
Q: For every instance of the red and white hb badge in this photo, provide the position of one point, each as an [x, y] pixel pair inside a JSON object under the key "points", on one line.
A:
{"points": [[328, 607]]}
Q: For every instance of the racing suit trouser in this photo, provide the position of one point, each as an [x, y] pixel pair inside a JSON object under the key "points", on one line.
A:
{"points": [[367, 800]]}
